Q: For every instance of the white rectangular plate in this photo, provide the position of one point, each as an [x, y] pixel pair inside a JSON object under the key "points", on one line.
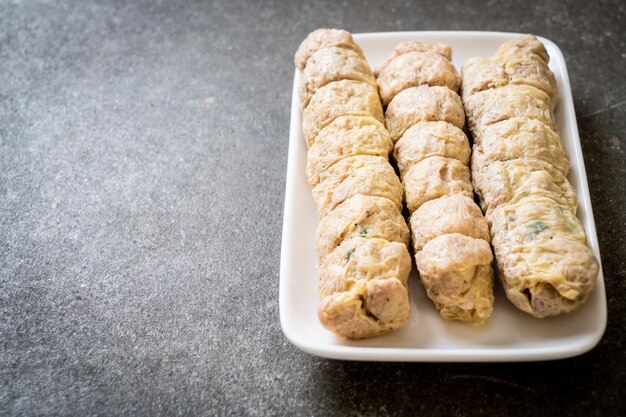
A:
{"points": [[510, 335]]}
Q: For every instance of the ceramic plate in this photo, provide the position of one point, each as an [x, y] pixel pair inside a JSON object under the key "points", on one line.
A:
{"points": [[510, 335]]}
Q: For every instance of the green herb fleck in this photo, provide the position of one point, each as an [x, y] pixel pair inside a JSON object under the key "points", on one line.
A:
{"points": [[363, 232], [537, 227], [349, 254]]}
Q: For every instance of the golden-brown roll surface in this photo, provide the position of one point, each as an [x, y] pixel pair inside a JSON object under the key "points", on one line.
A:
{"points": [[522, 138], [501, 182], [544, 262], [423, 104], [415, 46], [324, 38], [361, 216], [339, 98], [360, 174], [456, 272], [519, 168], [523, 61], [346, 136], [435, 177], [414, 69], [426, 139], [492, 106], [450, 214], [333, 64], [363, 287], [362, 237]]}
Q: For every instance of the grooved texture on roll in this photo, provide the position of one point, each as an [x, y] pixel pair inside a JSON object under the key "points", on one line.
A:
{"points": [[523, 61], [354, 175], [413, 69], [423, 104], [339, 98], [346, 136], [414, 46], [499, 104], [362, 237], [424, 116], [322, 39], [333, 64], [519, 168], [522, 138], [431, 139], [361, 216]]}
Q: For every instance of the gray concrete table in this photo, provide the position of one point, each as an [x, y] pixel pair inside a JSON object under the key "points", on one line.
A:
{"points": [[143, 151]]}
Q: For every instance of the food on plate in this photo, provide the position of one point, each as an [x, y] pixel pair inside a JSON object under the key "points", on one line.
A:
{"points": [[503, 103], [361, 216], [542, 254], [522, 138], [363, 287], [455, 213], [456, 272], [549, 277], [413, 69], [423, 104], [450, 236], [333, 64], [339, 98], [427, 139], [536, 216], [360, 259], [362, 238], [435, 177], [354, 175], [321, 39], [523, 61], [414, 46], [519, 169], [346, 136], [499, 182]]}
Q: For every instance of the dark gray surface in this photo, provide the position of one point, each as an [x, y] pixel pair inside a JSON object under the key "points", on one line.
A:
{"points": [[143, 153]]}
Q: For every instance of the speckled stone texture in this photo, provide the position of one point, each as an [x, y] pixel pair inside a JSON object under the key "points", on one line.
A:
{"points": [[143, 150]]}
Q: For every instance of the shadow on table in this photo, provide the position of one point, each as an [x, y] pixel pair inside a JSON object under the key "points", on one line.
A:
{"points": [[546, 388]]}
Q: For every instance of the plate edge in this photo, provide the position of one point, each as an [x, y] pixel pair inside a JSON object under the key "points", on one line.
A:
{"points": [[372, 354]]}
